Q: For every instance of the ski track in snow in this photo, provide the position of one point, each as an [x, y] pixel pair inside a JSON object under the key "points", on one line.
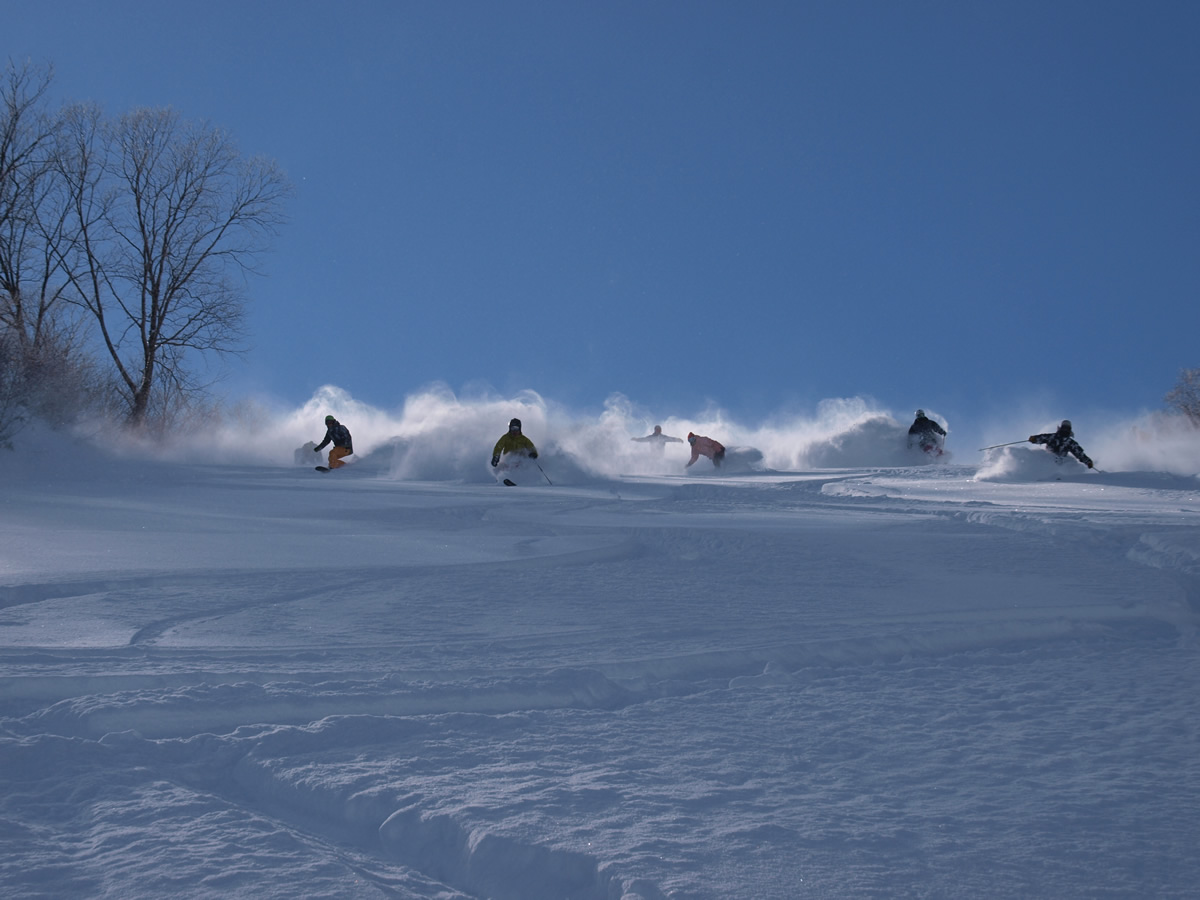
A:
{"points": [[863, 683]]}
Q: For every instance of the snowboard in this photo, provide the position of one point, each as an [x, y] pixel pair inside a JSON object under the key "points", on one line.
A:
{"points": [[324, 469]]}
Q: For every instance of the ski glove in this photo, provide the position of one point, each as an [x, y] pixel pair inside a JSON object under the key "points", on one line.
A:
{"points": [[316, 449], [533, 454], [495, 461]]}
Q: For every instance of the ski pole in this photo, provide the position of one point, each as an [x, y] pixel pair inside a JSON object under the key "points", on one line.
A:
{"points": [[544, 475], [1009, 444]]}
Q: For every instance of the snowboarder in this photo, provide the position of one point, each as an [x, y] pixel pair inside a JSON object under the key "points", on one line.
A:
{"points": [[343, 445], [705, 446], [657, 439], [515, 443], [1062, 442], [923, 432]]}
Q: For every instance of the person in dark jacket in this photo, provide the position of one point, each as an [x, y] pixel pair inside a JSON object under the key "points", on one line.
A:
{"points": [[924, 432], [339, 435], [1062, 442]]}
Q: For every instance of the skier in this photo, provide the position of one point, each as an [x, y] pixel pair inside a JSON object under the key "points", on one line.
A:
{"points": [[657, 439], [924, 431], [513, 442], [1062, 442], [705, 446], [343, 445]]}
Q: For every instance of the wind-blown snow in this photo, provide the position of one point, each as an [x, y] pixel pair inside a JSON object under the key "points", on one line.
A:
{"points": [[827, 670]]}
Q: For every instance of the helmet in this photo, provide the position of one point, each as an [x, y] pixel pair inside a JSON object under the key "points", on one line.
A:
{"points": [[514, 423], [329, 419], [920, 413], [691, 438], [1065, 426]]}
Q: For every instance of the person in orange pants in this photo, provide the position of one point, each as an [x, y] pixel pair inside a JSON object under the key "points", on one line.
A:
{"points": [[343, 445]]}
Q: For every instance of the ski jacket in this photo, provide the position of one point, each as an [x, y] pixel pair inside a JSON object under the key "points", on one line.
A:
{"points": [[926, 425], [514, 442], [704, 446], [339, 434], [1060, 443]]}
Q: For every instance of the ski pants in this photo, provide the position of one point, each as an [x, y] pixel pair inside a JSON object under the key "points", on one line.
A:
{"points": [[335, 456]]}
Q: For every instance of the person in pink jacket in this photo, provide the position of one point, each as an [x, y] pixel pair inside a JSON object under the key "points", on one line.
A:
{"points": [[704, 446]]}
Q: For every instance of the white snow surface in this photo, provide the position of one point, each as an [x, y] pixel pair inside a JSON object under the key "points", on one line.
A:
{"points": [[238, 677]]}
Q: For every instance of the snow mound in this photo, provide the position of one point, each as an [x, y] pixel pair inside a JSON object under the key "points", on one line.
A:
{"points": [[876, 441], [1026, 464]]}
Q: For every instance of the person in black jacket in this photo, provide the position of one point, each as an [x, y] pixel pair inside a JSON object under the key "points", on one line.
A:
{"points": [[924, 431], [339, 435], [1062, 442]]}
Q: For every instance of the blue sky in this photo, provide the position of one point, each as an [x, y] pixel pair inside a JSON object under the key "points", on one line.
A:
{"points": [[961, 206]]}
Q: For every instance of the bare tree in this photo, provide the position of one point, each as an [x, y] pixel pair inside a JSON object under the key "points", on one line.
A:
{"points": [[12, 397], [1185, 396], [31, 221], [45, 371], [168, 220]]}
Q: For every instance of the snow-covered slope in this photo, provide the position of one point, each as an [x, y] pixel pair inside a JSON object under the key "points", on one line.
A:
{"points": [[930, 681]]}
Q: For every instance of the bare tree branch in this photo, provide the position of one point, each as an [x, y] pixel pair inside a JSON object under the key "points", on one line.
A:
{"points": [[167, 213], [31, 229], [1185, 396]]}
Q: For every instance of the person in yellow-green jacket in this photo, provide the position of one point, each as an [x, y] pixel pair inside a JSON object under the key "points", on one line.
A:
{"points": [[513, 442]]}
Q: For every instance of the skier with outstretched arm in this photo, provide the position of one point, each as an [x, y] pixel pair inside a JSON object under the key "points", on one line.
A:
{"points": [[1062, 442], [657, 439]]}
